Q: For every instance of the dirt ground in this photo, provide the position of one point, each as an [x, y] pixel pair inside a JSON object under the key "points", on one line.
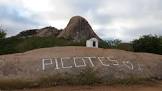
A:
{"points": [[101, 88]]}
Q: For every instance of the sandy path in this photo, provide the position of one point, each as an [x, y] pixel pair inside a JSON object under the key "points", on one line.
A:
{"points": [[100, 88]]}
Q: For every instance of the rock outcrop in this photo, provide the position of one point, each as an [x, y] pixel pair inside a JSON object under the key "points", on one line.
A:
{"points": [[48, 31], [109, 64], [44, 32], [78, 29]]}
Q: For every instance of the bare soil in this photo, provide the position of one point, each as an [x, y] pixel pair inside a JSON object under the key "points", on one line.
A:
{"points": [[100, 88]]}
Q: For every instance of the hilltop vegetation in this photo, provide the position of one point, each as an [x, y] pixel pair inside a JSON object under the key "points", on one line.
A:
{"points": [[147, 43], [2, 33], [16, 44]]}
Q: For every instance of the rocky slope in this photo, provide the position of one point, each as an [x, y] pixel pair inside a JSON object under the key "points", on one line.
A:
{"points": [[109, 64], [78, 29], [44, 32]]}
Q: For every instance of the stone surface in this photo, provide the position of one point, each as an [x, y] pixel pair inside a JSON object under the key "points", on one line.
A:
{"points": [[108, 63], [43, 32], [78, 29]]}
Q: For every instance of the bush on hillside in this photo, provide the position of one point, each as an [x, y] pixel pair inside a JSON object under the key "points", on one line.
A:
{"points": [[17, 44], [2, 33], [148, 43]]}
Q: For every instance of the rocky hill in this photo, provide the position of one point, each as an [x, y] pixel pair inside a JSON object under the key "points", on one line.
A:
{"points": [[78, 29], [44, 32]]}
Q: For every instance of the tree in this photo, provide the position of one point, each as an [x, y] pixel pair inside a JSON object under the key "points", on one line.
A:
{"points": [[148, 43], [114, 43], [2, 33], [110, 43]]}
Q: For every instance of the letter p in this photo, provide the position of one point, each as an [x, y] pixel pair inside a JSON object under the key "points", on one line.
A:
{"points": [[46, 62]]}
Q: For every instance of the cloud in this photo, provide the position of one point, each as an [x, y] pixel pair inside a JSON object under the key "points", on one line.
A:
{"points": [[15, 19], [131, 19], [14, 14], [110, 19]]}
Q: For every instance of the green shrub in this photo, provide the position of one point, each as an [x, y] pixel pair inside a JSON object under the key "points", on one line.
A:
{"points": [[148, 43], [2, 33], [103, 44], [16, 44]]}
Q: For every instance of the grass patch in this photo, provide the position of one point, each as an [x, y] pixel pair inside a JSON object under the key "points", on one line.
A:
{"points": [[133, 81], [9, 84], [18, 45], [87, 76]]}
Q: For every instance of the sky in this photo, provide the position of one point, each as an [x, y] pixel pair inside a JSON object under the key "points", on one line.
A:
{"points": [[110, 19]]}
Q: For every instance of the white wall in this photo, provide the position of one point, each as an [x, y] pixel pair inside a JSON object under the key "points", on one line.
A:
{"points": [[89, 43]]}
